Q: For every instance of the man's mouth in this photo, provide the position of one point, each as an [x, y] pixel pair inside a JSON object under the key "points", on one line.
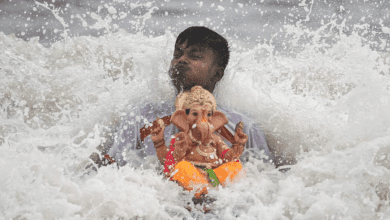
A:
{"points": [[178, 71], [178, 76]]}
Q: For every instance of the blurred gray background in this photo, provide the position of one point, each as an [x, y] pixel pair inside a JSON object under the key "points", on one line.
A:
{"points": [[244, 22]]}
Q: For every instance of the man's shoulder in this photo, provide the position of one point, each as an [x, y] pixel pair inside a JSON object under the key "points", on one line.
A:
{"points": [[150, 110], [235, 116]]}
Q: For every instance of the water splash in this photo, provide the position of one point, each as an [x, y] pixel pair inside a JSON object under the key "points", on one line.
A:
{"points": [[323, 104]]}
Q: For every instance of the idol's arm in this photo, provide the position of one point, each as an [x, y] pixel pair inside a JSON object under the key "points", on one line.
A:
{"points": [[181, 147], [158, 140], [161, 151], [240, 139]]}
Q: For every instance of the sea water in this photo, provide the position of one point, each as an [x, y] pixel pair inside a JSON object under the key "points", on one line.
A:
{"points": [[318, 84]]}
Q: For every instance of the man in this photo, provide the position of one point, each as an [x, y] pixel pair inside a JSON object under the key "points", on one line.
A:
{"points": [[200, 58]]}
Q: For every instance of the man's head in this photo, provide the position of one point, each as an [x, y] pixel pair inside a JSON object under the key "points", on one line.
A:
{"points": [[200, 58]]}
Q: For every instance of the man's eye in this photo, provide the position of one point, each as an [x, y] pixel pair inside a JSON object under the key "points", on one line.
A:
{"points": [[195, 114], [209, 114], [177, 54], [197, 56]]}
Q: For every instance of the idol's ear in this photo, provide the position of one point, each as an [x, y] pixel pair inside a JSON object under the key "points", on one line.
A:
{"points": [[218, 120], [179, 118]]}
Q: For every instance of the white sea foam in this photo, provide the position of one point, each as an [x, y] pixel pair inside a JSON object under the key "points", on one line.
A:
{"points": [[324, 107]]}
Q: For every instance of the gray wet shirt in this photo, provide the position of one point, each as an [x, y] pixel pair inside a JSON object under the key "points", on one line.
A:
{"points": [[128, 147]]}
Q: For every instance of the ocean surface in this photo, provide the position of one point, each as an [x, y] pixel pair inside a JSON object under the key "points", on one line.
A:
{"points": [[314, 74]]}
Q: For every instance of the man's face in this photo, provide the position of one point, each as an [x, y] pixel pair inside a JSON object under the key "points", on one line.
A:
{"points": [[193, 65]]}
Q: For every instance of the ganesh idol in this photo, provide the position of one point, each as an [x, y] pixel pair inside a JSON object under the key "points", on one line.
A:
{"points": [[198, 157]]}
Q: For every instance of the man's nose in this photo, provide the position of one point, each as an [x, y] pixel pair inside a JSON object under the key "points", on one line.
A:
{"points": [[183, 59]]}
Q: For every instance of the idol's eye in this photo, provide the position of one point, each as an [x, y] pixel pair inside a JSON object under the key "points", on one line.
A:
{"points": [[209, 114], [195, 114]]}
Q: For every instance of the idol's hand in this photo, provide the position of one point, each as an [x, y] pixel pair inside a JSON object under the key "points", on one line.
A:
{"points": [[240, 137], [158, 131]]}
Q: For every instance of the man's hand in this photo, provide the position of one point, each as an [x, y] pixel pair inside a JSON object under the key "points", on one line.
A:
{"points": [[158, 131]]}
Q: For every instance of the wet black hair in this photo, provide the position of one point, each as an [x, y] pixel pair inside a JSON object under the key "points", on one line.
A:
{"points": [[204, 37]]}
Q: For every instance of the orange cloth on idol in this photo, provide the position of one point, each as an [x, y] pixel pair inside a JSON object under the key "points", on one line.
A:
{"points": [[190, 177]]}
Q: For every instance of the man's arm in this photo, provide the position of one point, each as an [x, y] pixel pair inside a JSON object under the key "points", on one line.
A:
{"points": [[126, 137], [257, 143]]}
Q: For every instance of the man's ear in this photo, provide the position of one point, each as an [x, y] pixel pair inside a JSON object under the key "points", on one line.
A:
{"points": [[218, 74], [218, 120], [179, 118]]}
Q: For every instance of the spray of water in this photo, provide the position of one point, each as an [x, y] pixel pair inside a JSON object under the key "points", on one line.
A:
{"points": [[324, 107]]}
